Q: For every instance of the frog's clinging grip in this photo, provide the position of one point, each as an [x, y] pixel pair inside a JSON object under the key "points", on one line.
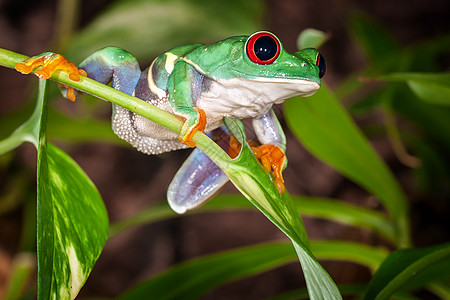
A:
{"points": [[272, 157], [51, 62], [181, 99], [198, 125]]}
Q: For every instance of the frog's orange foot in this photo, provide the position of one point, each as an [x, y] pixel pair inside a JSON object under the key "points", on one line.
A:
{"points": [[272, 157], [234, 148], [199, 125], [49, 63]]}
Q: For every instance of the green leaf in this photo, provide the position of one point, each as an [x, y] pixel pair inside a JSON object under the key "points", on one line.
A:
{"points": [[147, 28], [328, 132], [250, 178], [403, 265], [432, 119], [365, 255], [346, 213], [426, 56], [366, 104], [330, 209], [72, 221], [191, 279], [72, 225], [353, 289], [152, 214], [311, 38], [22, 270], [376, 41], [346, 289], [433, 88]]}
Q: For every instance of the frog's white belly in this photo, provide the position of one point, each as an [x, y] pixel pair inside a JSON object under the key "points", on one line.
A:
{"points": [[249, 98]]}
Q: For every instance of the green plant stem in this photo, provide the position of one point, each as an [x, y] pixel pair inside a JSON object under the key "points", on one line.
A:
{"points": [[10, 59]]}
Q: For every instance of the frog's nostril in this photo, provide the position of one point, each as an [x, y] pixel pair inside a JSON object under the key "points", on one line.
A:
{"points": [[322, 64]]}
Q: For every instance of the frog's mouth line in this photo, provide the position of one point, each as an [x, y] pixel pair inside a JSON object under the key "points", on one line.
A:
{"points": [[275, 79], [303, 87], [284, 80]]}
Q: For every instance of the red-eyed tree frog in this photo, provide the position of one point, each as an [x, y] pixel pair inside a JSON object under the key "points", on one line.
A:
{"points": [[239, 77]]}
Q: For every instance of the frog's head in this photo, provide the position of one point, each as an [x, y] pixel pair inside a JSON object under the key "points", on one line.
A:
{"points": [[261, 58]]}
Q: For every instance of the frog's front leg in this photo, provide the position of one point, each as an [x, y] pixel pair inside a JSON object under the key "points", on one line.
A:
{"points": [[115, 65], [182, 98], [271, 152]]}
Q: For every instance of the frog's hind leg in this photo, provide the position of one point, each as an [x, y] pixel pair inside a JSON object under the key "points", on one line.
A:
{"points": [[271, 152], [115, 65], [197, 181], [199, 178], [124, 126]]}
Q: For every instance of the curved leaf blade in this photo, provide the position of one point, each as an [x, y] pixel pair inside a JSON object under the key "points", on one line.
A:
{"points": [[191, 279], [22, 272], [72, 223], [346, 213], [362, 254], [302, 293], [433, 88], [250, 178], [346, 289], [74, 226], [328, 132], [404, 265], [325, 208], [311, 38]]}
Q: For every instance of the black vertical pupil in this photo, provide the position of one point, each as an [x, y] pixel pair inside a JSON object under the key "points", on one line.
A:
{"points": [[265, 48]]}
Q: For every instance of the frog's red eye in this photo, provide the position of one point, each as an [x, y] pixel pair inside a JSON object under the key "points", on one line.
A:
{"points": [[322, 64], [262, 48]]}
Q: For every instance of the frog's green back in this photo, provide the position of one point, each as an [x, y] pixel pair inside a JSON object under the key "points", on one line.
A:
{"points": [[206, 59]]}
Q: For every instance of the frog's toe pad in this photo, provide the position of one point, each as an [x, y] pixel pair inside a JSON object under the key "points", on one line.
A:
{"points": [[197, 181]]}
